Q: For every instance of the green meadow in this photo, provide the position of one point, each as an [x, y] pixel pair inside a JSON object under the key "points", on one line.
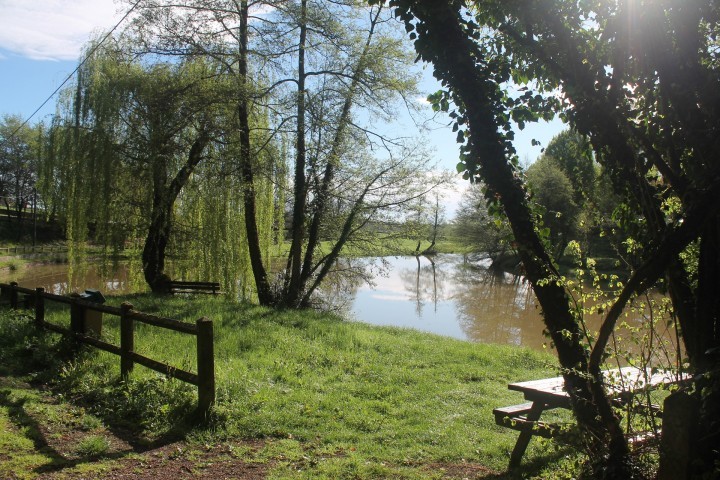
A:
{"points": [[325, 397]]}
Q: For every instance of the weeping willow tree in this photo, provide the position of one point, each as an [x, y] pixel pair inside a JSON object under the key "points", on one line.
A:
{"points": [[133, 135], [79, 174]]}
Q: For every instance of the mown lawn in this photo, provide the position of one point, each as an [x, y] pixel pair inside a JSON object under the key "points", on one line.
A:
{"points": [[326, 397]]}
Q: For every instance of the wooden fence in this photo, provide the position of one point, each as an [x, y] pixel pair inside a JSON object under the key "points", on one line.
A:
{"points": [[79, 309], [31, 249]]}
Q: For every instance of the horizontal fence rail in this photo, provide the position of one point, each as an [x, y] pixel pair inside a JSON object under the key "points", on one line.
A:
{"points": [[81, 330], [31, 249]]}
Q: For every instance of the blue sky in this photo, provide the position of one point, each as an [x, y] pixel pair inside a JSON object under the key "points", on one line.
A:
{"points": [[41, 41]]}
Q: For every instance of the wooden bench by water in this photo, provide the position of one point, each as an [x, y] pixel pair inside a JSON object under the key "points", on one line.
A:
{"points": [[181, 286]]}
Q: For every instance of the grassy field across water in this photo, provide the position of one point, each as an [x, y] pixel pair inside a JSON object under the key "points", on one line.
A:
{"points": [[320, 397]]}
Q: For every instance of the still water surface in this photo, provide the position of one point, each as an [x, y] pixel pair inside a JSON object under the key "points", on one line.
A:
{"points": [[452, 296], [448, 295]]}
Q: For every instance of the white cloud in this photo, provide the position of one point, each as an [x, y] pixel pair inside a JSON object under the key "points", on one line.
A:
{"points": [[53, 29], [451, 195], [392, 298]]}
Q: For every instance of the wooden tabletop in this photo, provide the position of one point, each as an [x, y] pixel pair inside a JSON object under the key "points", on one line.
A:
{"points": [[618, 381]]}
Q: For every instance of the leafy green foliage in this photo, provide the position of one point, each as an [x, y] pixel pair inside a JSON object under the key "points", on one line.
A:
{"points": [[474, 224], [20, 159], [572, 153], [640, 86], [554, 192]]}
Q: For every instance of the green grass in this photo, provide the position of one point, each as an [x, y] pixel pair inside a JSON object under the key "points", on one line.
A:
{"points": [[92, 446], [12, 264], [34, 432], [330, 398]]}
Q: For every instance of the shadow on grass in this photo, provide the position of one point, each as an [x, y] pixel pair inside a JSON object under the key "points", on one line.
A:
{"points": [[533, 466], [40, 357], [33, 430]]}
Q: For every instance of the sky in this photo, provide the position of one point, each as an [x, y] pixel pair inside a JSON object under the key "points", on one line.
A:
{"points": [[41, 42]]}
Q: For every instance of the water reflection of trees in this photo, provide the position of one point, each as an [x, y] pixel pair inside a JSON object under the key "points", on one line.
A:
{"points": [[426, 283], [498, 307], [78, 273], [491, 306], [339, 289], [495, 306]]}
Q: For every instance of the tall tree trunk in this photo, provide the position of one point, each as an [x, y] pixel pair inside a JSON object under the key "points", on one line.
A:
{"points": [[705, 453], [293, 280], [260, 275], [433, 239], [153, 254], [322, 196], [164, 196]]}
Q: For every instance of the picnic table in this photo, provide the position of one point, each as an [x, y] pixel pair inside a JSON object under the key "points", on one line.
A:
{"points": [[549, 393]]}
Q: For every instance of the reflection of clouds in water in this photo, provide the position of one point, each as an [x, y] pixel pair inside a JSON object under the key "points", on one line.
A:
{"points": [[386, 284], [391, 298], [524, 296], [451, 295], [515, 334]]}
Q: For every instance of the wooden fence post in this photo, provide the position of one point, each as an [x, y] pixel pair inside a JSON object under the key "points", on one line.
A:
{"points": [[39, 306], [77, 315], [205, 365], [13, 295], [127, 340]]}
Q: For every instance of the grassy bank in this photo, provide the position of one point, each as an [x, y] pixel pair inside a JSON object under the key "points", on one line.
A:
{"points": [[12, 264], [325, 397]]}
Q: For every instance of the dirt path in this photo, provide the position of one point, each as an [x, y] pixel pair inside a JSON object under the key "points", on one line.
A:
{"points": [[44, 437]]}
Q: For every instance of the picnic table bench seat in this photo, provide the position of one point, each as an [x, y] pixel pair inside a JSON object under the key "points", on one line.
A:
{"points": [[516, 418]]}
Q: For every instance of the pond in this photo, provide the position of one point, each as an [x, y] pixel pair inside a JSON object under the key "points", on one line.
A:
{"points": [[448, 295], [62, 277], [452, 296]]}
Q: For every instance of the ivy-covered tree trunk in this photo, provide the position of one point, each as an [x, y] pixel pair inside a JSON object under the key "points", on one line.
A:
{"points": [[705, 454], [445, 39]]}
